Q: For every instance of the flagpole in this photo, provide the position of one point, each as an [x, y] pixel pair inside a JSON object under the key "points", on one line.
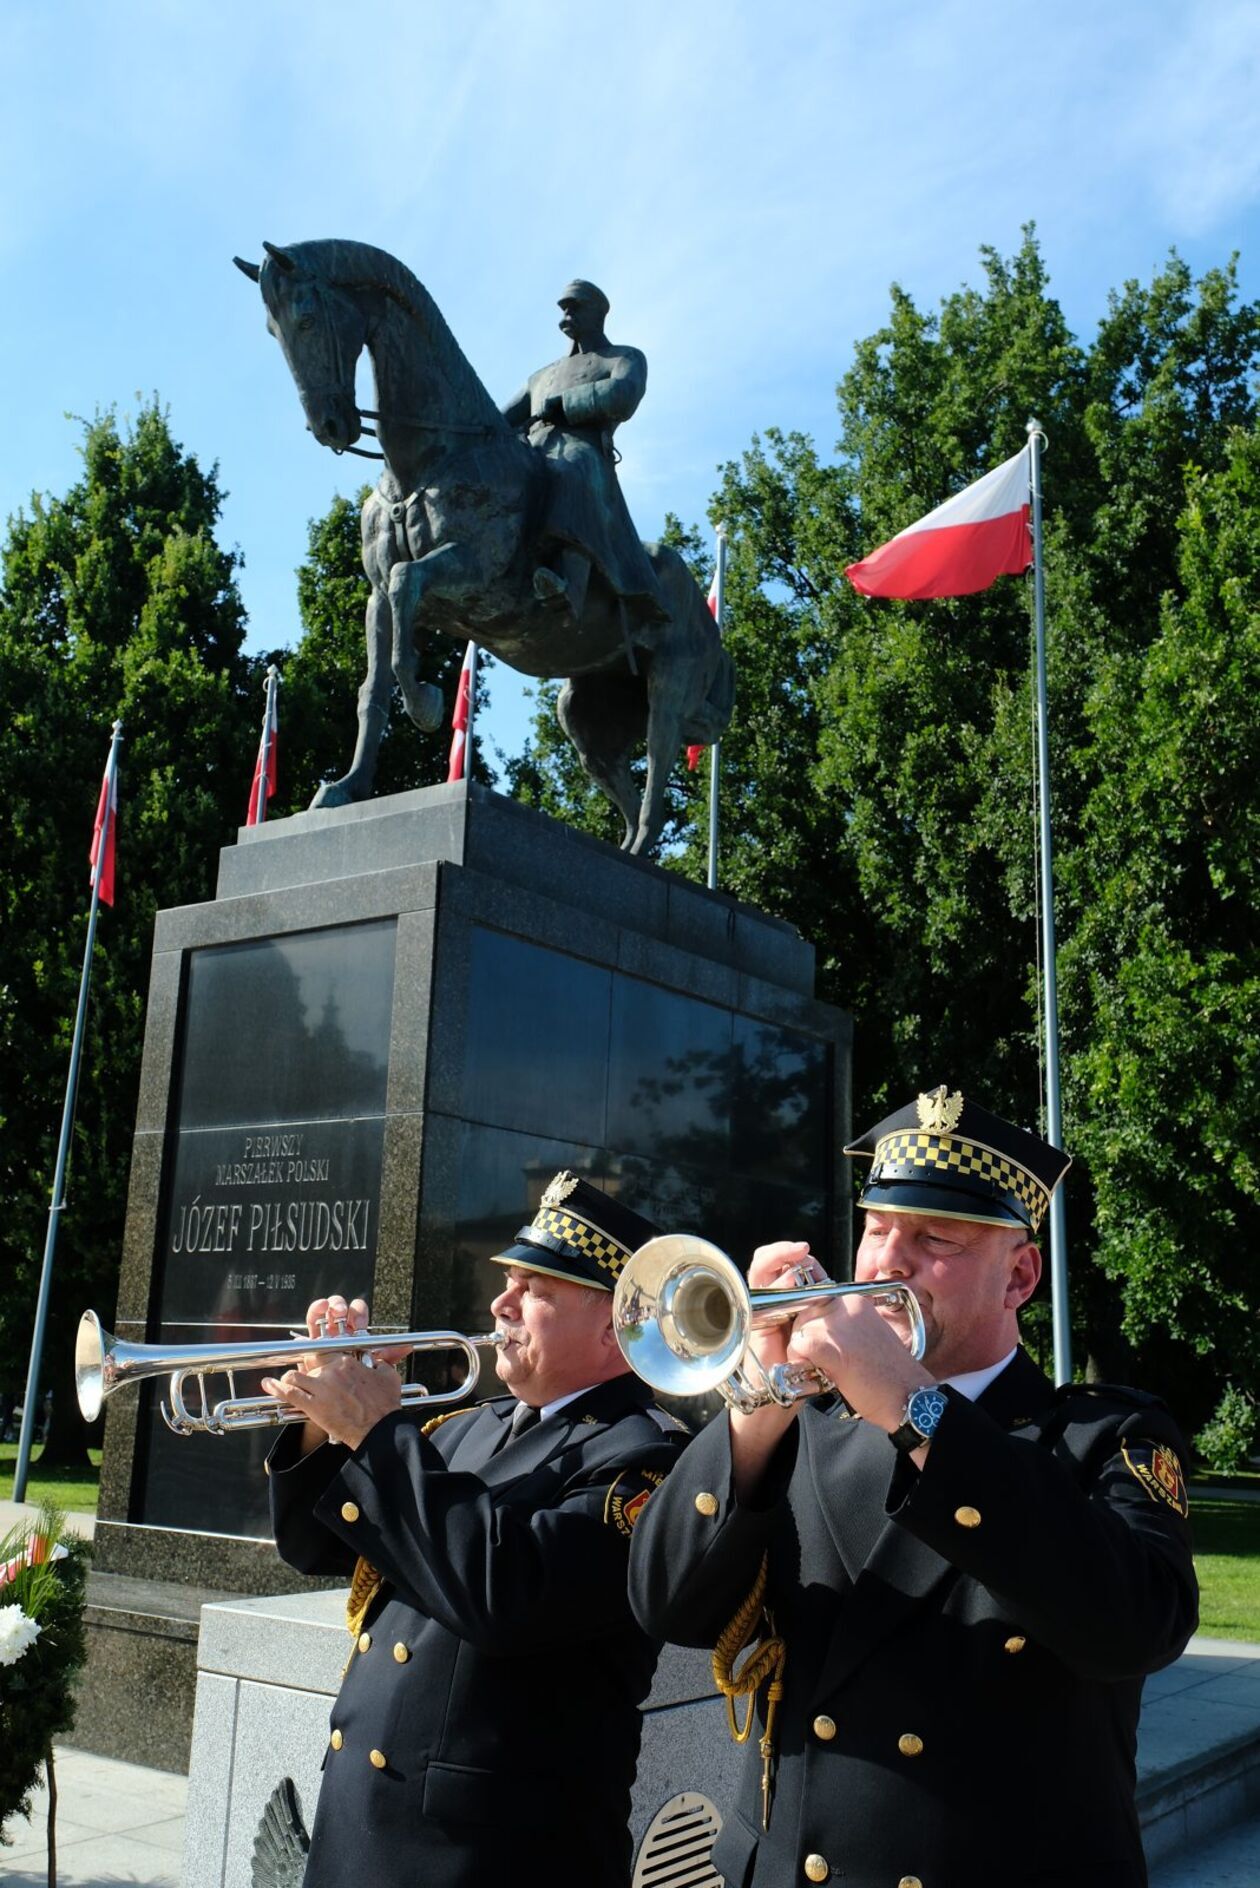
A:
{"points": [[719, 617], [1061, 1318], [472, 709], [58, 1201], [269, 725]]}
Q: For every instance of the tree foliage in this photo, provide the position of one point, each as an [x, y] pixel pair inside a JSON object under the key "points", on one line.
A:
{"points": [[878, 788], [114, 600]]}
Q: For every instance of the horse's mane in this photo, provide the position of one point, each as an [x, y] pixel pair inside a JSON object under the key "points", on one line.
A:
{"points": [[353, 265]]}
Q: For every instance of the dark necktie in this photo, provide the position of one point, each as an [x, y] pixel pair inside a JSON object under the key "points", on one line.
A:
{"points": [[524, 1416]]}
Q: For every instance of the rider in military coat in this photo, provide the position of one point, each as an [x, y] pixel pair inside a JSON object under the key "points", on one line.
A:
{"points": [[570, 410], [488, 1722], [961, 1575]]}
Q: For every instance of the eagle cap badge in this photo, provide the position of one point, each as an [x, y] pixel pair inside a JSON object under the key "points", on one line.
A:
{"points": [[939, 1111], [559, 1189]]}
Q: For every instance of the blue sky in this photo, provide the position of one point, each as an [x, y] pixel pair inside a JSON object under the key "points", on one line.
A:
{"points": [[743, 179]]}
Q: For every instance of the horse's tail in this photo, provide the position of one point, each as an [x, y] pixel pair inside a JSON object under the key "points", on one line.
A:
{"points": [[708, 722]]}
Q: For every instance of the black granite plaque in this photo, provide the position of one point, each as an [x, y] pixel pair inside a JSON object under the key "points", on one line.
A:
{"points": [[703, 1120], [274, 1189]]}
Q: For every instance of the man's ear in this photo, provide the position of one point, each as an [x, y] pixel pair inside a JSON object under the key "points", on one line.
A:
{"points": [[1025, 1272]]}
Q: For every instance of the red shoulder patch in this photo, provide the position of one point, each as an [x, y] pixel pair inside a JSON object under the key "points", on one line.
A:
{"points": [[629, 1496], [1156, 1466]]}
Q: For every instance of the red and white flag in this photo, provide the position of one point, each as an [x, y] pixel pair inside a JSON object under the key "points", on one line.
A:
{"points": [[265, 765], [460, 717], [980, 534], [696, 753], [101, 857]]}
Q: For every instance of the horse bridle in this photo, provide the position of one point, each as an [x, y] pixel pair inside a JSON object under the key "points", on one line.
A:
{"points": [[366, 412], [402, 419]]}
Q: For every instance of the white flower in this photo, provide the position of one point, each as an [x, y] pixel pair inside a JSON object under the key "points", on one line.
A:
{"points": [[17, 1632]]}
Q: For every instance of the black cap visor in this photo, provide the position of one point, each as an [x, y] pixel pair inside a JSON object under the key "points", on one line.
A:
{"points": [[894, 1195], [530, 1258]]}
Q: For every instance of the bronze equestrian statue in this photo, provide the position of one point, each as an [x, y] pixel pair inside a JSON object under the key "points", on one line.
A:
{"points": [[504, 527]]}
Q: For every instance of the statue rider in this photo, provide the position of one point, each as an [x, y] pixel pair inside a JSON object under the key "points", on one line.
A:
{"points": [[570, 411]]}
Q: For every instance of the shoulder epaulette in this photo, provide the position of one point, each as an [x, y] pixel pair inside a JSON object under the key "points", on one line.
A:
{"points": [[445, 1416], [1116, 1392]]}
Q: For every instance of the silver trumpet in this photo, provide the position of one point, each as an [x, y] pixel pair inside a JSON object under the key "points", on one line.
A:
{"points": [[684, 1319], [103, 1364]]}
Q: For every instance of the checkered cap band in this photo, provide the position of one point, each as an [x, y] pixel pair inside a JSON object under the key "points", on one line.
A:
{"points": [[908, 1154], [566, 1232]]}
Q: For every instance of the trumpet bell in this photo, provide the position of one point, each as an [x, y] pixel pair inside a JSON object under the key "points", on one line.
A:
{"points": [[91, 1356], [681, 1315]]}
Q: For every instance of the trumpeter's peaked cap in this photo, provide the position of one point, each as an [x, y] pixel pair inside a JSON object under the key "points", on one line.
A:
{"points": [[952, 1159], [578, 1233]]}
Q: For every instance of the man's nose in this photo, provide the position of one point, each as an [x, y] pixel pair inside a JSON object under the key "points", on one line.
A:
{"points": [[502, 1305], [896, 1254]]}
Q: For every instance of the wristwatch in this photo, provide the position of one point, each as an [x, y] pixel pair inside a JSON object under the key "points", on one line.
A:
{"points": [[920, 1419]]}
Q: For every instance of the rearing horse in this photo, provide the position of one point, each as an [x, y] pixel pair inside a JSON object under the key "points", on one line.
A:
{"points": [[451, 534]]}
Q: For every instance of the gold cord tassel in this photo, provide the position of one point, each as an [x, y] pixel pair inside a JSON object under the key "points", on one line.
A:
{"points": [[364, 1587], [752, 1625]]}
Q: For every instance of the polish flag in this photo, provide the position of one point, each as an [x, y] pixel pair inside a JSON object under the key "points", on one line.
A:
{"points": [[459, 720], [101, 857], [964, 545], [694, 754], [265, 765]]}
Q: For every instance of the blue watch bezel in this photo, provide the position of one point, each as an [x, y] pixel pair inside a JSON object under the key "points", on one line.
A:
{"points": [[924, 1410]]}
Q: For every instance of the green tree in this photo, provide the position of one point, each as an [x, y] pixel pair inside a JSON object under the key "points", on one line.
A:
{"points": [[1164, 959], [114, 600]]}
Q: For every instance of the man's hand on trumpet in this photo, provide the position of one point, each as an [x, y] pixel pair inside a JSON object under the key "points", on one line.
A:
{"points": [[756, 1435], [341, 1396], [858, 1350]]}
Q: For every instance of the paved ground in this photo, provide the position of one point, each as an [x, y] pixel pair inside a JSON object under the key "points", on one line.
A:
{"points": [[116, 1823], [11, 1512], [1232, 1861]]}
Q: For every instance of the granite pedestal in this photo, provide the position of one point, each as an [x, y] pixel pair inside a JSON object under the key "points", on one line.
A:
{"points": [[257, 1722], [363, 1061]]}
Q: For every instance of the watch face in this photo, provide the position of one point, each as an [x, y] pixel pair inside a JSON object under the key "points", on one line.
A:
{"points": [[925, 1409]]}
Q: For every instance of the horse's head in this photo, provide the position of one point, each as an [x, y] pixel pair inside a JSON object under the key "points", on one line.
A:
{"points": [[321, 331]]}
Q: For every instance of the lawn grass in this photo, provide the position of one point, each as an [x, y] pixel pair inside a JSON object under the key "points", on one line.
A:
{"points": [[1226, 1538], [71, 1489]]}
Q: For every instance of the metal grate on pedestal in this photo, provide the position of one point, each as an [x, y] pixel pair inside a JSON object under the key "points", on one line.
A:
{"points": [[675, 1850]]}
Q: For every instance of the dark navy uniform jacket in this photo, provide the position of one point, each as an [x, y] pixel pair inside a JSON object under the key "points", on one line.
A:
{"points": [[487, 1727], [965, 1646]]}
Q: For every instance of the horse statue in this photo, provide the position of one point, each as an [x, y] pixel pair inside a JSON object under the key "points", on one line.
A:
{"points": [[453, 538]]}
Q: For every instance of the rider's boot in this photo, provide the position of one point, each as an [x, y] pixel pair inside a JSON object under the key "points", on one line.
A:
{"points": [[565, 588]]}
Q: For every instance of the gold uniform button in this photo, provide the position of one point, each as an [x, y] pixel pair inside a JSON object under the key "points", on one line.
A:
{"points": [[349, 1511], [909, 1881], [909, 1745], [825, 1728], [817, 1868], [401, 1653], [336, 1740], [365, 1640], [967, 1517], [377, 1759], [1016, 1642], [708, 1504]]}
